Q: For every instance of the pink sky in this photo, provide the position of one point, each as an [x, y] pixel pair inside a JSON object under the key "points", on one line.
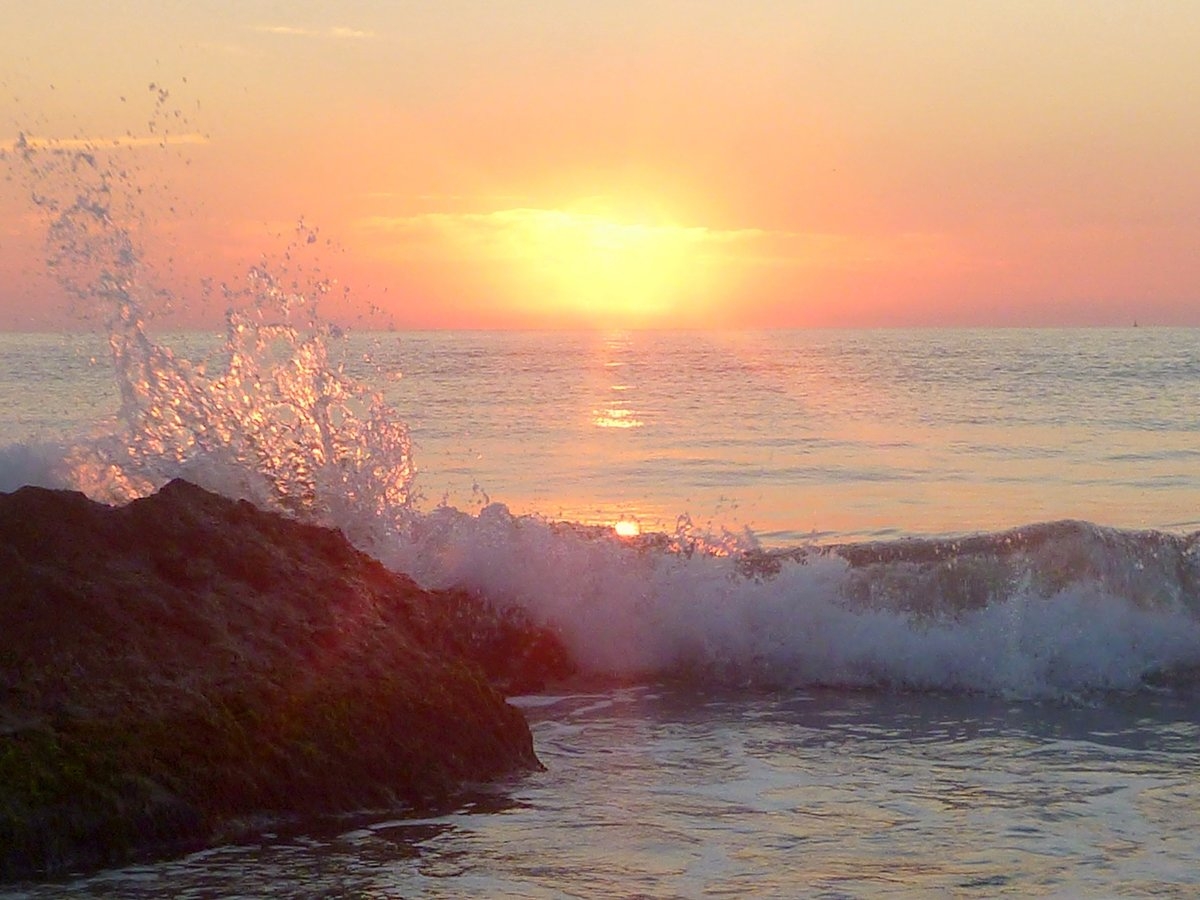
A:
{"points": [[642, 162]]}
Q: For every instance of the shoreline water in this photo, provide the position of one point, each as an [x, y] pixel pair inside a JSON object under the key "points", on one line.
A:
{"points": [[666, 792]]}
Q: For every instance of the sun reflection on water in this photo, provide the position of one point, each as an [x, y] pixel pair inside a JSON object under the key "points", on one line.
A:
{"points": [[615, 417], [616, 411], [627, 528]]}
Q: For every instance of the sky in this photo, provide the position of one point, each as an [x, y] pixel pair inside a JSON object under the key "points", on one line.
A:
{"points": [[634, 163]]}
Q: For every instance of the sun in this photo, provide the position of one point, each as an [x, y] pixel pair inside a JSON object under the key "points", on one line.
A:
{"points": [[627, 528], [582, 265], [607, 271]]}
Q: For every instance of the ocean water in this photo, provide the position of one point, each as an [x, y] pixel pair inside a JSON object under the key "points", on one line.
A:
{"points": [[800, 436], [825, 729], [812, 435], [889, 613]]}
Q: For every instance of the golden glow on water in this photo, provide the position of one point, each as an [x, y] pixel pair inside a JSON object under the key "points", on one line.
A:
{"points": [[616, 411], [615, 417], [816, 436], [627, 528]]}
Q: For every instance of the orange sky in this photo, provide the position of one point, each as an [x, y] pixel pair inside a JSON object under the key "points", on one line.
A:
{"points": [[642, 162]]}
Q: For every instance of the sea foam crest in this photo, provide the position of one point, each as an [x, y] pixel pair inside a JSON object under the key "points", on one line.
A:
{"points": [[1038, 628]]}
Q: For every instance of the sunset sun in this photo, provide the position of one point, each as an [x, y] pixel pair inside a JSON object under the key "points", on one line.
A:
{"points": [[603, 268], [576, 265]]}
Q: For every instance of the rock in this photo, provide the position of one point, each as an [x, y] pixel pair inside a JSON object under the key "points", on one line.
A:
{"points": [[173, 665]]}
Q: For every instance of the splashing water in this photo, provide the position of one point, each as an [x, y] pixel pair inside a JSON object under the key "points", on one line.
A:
{"points": [[268, 417]]}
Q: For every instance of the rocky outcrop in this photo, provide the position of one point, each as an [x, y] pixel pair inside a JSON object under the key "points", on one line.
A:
{"points": [[170, 667]]}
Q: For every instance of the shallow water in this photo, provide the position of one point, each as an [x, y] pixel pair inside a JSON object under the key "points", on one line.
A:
{"points": [[662, 791]]}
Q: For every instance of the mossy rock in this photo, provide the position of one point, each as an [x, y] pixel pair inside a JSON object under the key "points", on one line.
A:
{"points": [[176, 665]]}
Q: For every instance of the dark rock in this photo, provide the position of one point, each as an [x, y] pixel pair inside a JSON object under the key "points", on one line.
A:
{"points": [[517, 656], [176, 664]]}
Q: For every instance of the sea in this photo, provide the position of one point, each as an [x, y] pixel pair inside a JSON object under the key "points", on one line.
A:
{"points": [[858, 613], [759, 716]]}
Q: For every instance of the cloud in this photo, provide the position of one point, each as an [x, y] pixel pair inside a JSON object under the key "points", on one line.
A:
{"points": [[337, 32], [100, 143], [351, 33], [523, 233], [228, 49], [517, 231]]}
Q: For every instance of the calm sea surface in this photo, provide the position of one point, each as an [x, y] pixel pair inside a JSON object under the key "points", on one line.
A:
{"points": [[834, 433], [797, 435], [931, 778]]}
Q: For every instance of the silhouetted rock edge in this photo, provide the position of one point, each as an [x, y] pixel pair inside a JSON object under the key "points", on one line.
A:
{"points": [[172, 666]]}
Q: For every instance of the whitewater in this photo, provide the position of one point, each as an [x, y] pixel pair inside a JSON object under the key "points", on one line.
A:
{"points": [[905, 612]]}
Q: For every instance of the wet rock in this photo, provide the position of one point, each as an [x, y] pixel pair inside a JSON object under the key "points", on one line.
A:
{"points": [[173, 665]]}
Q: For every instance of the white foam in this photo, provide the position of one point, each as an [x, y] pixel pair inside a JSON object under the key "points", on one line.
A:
{"points": [[624, 611], [38, 464]]}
